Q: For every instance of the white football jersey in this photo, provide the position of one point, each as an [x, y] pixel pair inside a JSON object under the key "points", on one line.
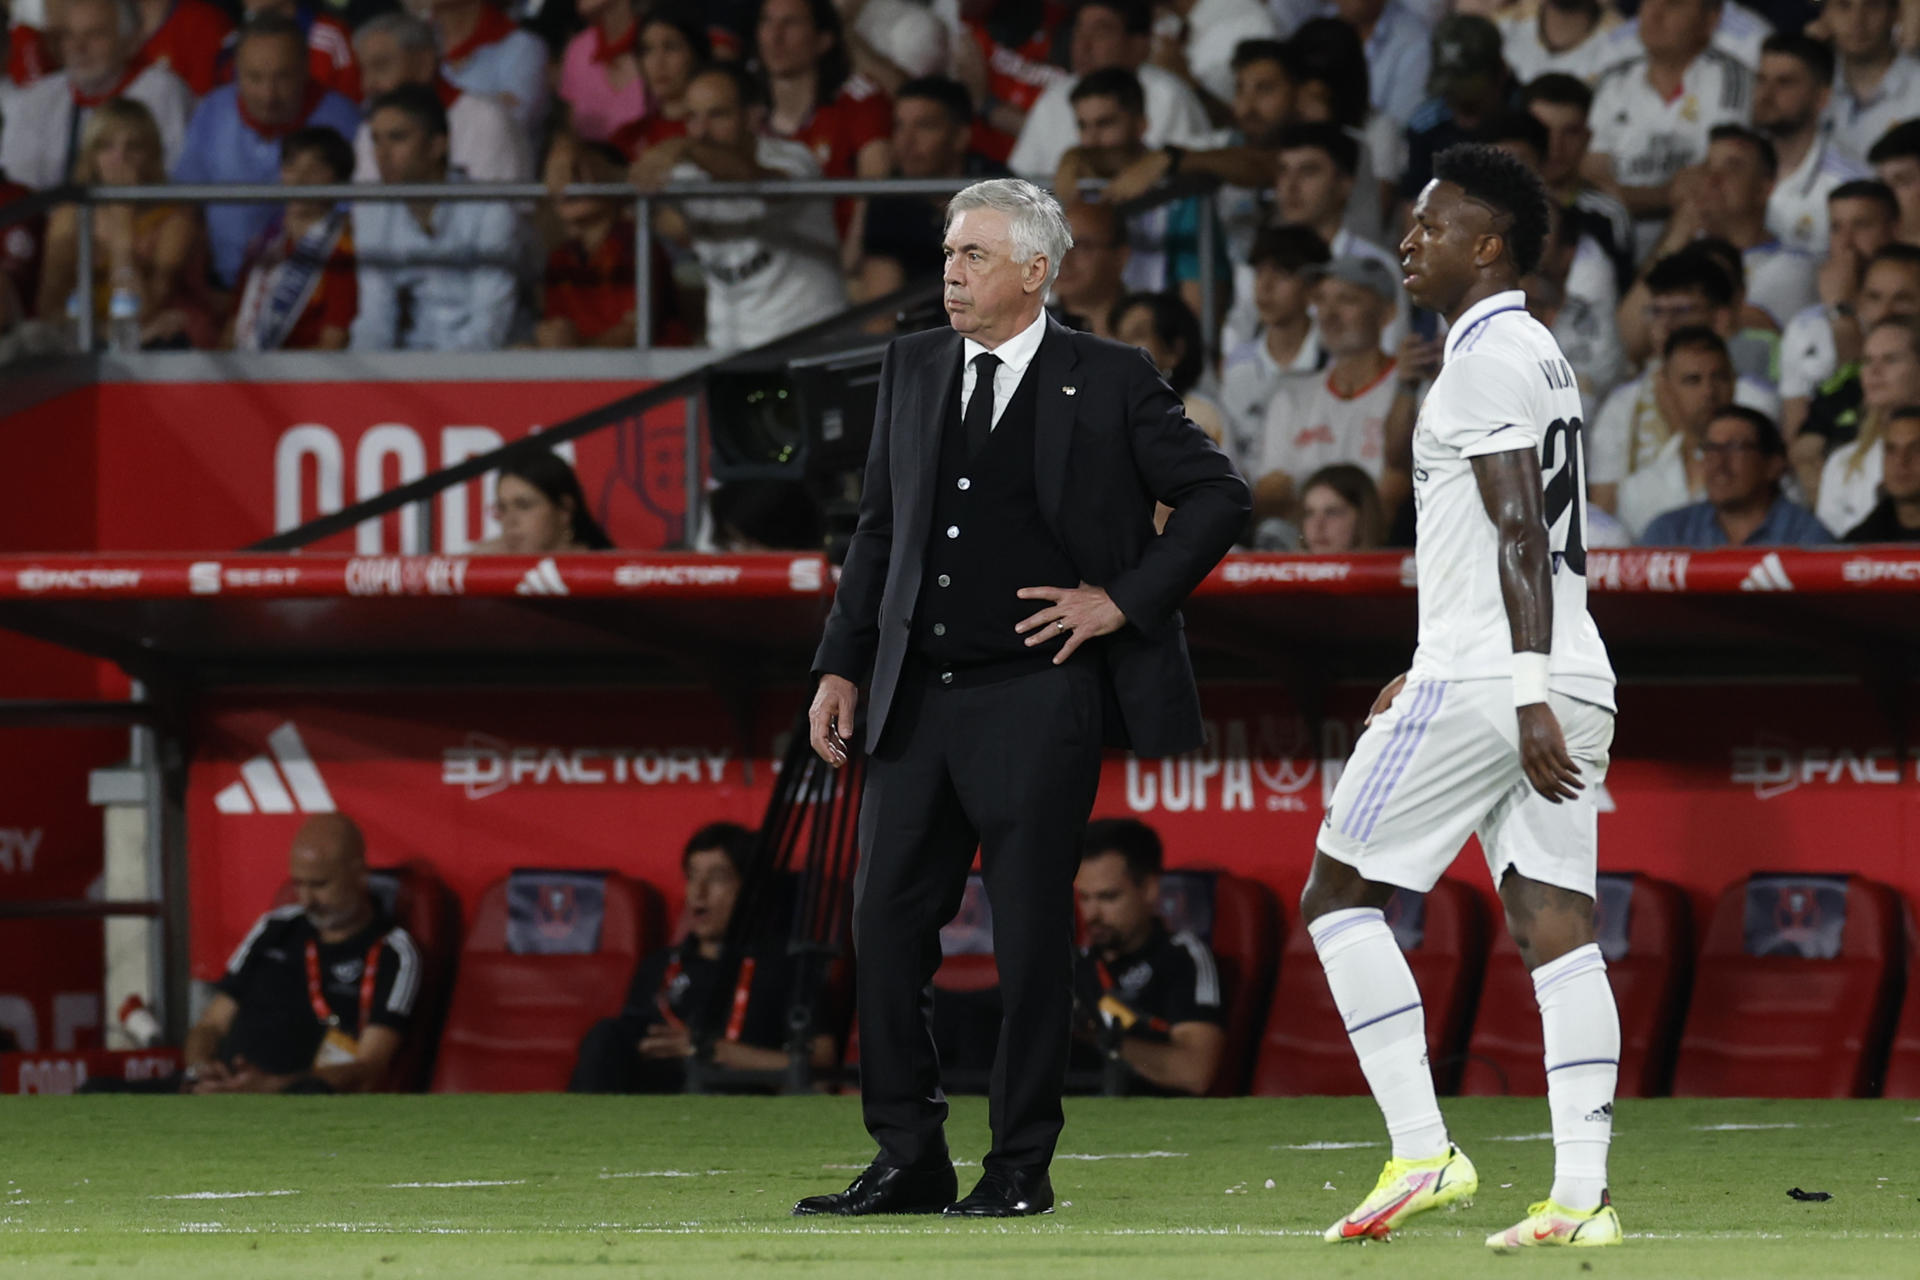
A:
{"points": [[1504, 384]]}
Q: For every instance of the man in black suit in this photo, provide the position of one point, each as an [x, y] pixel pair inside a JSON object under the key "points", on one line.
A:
{"points": [[1008, 600]]}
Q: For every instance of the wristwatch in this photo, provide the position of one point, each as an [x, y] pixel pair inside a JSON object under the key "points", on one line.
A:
{"points": [[1175, 156]]}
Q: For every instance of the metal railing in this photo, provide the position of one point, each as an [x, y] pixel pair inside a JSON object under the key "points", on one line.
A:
{"points": [[87, 198]]}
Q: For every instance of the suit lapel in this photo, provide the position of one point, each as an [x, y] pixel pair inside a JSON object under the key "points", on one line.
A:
{"points": [[927, 418], [1054, 403]]}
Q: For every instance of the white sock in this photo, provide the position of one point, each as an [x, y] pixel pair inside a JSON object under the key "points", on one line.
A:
{"points": [[1380, 1003], [1582, 1031]]}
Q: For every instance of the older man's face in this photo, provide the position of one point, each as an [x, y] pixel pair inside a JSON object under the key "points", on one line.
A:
{"points": [[271, 72], [987, 293], [95, 51]]}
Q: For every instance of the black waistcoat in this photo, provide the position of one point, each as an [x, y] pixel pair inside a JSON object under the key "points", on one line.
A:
{"points": [[988, 540]]}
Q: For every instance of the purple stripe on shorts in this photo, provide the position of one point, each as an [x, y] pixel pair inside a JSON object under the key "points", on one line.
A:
{"points": [[1407, 749], [1350, 824]]}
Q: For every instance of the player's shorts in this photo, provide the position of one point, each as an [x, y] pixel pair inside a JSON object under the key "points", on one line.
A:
{"points": [[1443, 763]]}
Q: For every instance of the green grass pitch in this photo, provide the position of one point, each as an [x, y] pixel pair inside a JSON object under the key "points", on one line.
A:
{"points": [[1176, 1190]]}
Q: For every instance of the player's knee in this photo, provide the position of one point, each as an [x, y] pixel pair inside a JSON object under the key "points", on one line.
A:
{"points": [[1334, 886]]}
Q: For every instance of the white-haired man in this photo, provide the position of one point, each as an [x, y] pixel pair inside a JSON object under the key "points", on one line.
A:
{"points": [[45, 119], [1008, 623]]}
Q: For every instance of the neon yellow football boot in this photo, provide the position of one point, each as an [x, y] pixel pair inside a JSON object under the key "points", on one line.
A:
{"points": [[1552, 1224], [1406, 1188]]}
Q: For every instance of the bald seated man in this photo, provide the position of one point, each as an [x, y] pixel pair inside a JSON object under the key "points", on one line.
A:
{"points": [[319, 995]]}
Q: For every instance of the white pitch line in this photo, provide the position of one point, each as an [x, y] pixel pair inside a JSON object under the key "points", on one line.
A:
{"points": [[224, 1195], [1323, 1146], [466, 1182], [1753, 1128], [1523, 1137], [668, 1173]]}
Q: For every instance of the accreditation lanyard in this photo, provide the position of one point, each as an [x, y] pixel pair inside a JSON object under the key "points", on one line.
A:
{"points": [[736, 1016], [324, 1012]]}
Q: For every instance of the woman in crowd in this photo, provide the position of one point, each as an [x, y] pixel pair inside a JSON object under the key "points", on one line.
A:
{"points": [[673, 48], [156, 252], [1160, 325], [1889, 380], [1340, 511], [542, 510], [601, 79]]}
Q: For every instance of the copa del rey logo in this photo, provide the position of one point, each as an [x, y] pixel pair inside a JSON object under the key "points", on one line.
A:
{"points": [[284, 781]]}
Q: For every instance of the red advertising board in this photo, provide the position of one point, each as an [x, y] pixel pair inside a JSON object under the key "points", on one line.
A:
{"points": [[22, 1073], [218, 465], [1709, 782]]}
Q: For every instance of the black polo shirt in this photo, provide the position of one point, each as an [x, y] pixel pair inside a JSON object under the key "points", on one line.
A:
{"points": [[684, 980], [276, 1028], [1168, 980], [1882, 524]]}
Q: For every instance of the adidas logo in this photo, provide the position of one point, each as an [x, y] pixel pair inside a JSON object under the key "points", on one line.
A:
{"points": [[542, 580], [286, 782], [1602, 1112], [1768, 575]]}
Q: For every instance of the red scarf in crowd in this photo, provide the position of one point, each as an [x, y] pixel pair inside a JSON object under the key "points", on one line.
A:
{"points": [[274, 132], [604, 52], [493, 27]]}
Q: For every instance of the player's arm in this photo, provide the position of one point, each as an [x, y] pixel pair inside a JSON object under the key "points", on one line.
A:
{"points": [[1186, 1061], [1511, 490]]}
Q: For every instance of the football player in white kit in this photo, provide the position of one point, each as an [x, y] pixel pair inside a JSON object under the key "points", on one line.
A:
{"points": [[1501, 727]]}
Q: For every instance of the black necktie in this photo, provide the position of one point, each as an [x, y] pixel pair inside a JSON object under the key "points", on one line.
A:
{"points": [[978, 419]]}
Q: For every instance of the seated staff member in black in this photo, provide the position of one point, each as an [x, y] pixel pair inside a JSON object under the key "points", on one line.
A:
{"points": [[1143, 997], [320, 994], [645, 1048], [1010, 605]]}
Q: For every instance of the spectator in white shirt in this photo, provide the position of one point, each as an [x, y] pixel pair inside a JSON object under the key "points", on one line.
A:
{"points": [[1890, 290], [1332, 85], [771, 267], [434, 275], [1287, 341], [1317, 419], [1790, 99], [1196, 39], [1109, 33], [1889, 380], [45, 118], [1742, 169], [1737, 32], [1684, 291], [1896, 162], [1316, 178], [1878, 86], [1399, 51], [1696, 377], [1340, 511], [485, 142], [1562, 103], [1652, 113], [1556, 35], [1861, 219]]}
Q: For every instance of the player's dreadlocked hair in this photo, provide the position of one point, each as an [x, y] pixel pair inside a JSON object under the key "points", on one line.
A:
{"points": [[1504, 184]]}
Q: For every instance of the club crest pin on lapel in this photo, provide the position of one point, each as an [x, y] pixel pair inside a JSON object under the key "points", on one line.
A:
{"points": [[1070, 390]]}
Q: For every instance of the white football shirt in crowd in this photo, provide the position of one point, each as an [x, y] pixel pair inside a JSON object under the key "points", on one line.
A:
{"points": [[770, 268], [1860, 122], [1309, 425], [1174, 115], [1651, 138], [1797, 209], [1503, 385], [1808, 355]]}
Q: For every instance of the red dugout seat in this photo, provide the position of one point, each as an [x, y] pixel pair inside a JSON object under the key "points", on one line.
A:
{"points": [[550, 953], [415, 898], [1239, 922], [1795, 991], [1305, 1049], [1642, 928], [1903, 1064]]}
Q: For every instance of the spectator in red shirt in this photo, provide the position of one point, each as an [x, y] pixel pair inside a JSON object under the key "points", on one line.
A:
{"points": [[300, 291], [673, 49], [1005, 58], [844, 119], [590, 279], [330, 61], [31, 52], [187, 36]]}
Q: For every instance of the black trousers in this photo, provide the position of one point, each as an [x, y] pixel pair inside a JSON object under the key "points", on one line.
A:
{"points": [[1010, 768], [610, 1062]]}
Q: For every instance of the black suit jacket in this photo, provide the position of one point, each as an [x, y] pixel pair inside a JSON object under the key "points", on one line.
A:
{"points": [[1110, 437]]}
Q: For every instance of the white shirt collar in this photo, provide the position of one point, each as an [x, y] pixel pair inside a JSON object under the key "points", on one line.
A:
{"points": [[1476, 316], [1017, 352]]}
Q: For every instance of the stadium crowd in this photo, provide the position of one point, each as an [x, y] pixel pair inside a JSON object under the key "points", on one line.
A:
{"points": [[1733, 271]]}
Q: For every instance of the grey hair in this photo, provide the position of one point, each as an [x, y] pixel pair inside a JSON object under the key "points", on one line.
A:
{"points": [[1036, 225], [412, 34]]}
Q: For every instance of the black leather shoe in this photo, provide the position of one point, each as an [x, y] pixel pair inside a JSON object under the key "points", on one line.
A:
{"points": [[885, 1189], [1007, 1193]]}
